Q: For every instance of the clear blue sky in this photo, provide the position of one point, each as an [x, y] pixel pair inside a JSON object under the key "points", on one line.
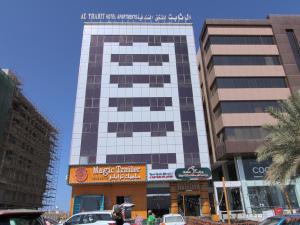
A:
{"points": [[41, 41]]}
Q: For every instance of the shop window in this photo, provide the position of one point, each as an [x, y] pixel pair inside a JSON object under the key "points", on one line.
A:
{"points": [[88, 203], [263, 198], [234, 198], [159, 204], [189, 205], [120, 200], [231, 171], [217, 174]]}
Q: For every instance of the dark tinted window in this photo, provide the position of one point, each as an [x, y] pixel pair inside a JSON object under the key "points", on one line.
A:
{"points": [[125, 129], [242, 133], [238, 40], [243, 60], [244, 107], [74, 220], [248, 82], [104, 216], [295, 46], [21, 220], [127, 104]]}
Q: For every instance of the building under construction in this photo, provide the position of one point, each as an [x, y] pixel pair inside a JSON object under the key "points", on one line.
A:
{"points": [[28, 150]]}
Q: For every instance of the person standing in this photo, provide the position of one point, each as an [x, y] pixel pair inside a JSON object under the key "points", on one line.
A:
{"points": [[151, 218], [118, 218], [138, 220]]}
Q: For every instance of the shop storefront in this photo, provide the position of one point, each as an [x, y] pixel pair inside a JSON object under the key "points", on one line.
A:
{"points": [[192, 198], [100, 187], [252, 194], [183, 191]]}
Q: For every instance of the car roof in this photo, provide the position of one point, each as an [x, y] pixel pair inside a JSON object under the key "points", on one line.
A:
{"points": [[168, 215], [95, 212], [12, 212]]}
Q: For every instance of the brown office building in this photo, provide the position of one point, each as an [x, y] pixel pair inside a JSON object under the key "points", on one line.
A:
{"points": [[246, 66]]}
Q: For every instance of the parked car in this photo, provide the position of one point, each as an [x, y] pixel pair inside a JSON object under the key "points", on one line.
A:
{"points": [[172, 219], [91, 218], [282, 220], [21, 217]]}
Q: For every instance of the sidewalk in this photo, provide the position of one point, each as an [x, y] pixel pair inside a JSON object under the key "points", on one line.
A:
{"points": [[198, 221]]}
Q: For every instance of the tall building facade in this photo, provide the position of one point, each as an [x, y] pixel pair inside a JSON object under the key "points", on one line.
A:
{"points": [[28, 153], [139, 123], [246, 67]]}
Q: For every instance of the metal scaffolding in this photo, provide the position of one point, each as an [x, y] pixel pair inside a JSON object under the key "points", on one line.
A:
{"points": [[29, 154]]}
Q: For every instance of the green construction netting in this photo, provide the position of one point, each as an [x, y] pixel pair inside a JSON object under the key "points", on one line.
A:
{"points": [[7, 87]]}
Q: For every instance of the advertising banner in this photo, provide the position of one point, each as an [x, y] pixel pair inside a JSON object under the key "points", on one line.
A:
{"points": [[193, 173], [161, 175], [255, 170], [106, 174]]}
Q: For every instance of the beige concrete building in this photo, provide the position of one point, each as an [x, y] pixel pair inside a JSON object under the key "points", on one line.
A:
{"points": [[246, 66]]}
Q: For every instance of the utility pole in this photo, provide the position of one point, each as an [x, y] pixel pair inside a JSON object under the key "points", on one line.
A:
{"points": [[226, 201]]}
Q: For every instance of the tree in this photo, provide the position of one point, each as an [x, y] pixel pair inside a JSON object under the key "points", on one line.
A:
{"points": [[282, 144]]}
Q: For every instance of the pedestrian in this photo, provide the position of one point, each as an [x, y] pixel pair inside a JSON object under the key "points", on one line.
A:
{"points": [[138, 220], [151, 218], [118, 218]]}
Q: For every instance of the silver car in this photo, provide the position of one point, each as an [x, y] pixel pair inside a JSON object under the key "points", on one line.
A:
{"points": [[173, 219], [91, 218]]}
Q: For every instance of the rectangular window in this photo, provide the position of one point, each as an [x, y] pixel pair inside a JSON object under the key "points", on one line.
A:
{"points": [[243, 60], [295, 46], [238, 40], [125, 129], [165, 158], [244, 107], [248, 82], [241, 133], [263, 195], [129, 58], [127, 104], [126, 81]]}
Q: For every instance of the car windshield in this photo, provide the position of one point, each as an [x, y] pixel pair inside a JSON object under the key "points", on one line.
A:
{"points": [[270, 221], [22, 220], [172, 219]]}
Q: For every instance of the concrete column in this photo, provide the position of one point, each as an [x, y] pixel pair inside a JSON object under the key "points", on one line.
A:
{"points": [[297, 190], [174, 198], [244, 189]]}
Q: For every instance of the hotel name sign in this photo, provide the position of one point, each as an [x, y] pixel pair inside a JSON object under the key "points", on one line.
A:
{"points": [[106, 174], [137, 18]]}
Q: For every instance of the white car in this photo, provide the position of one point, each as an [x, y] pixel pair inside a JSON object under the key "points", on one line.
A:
{"points": [[91, 218], [173, 219]]}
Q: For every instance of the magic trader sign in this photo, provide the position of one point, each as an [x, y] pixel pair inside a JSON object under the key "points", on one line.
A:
{"points": [[138, 18], [106, 174]]}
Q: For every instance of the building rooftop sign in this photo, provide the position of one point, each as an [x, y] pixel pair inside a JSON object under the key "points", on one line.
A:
{"points": [[136, 18]]}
